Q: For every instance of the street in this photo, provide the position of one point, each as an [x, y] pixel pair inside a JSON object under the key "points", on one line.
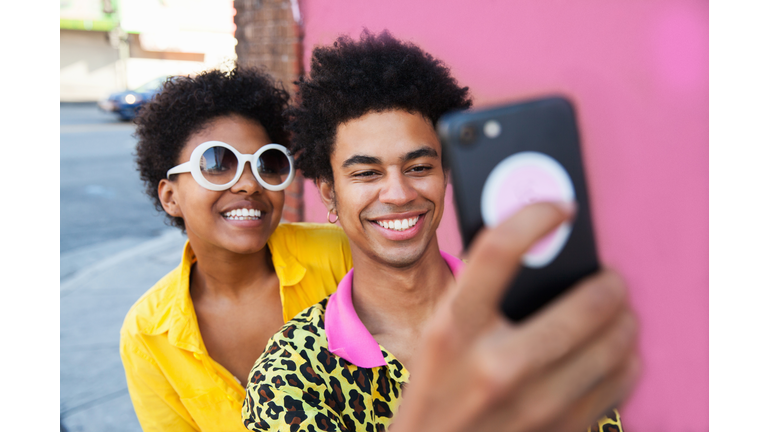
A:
{"points": [[113, 247], [102, 199]]}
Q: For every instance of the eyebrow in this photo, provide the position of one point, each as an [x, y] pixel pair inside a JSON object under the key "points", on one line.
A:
{"points": [[361, 159], [422, 152], [372, 160]]}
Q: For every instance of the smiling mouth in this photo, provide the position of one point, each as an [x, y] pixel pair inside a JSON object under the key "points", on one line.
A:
{"points": [[398, 224], [242, 214]]}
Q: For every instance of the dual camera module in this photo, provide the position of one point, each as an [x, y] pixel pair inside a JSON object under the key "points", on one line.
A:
{"points": [[468, 131]]}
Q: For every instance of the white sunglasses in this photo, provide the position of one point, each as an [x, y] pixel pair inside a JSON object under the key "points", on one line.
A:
{"points": [[217, 166]]}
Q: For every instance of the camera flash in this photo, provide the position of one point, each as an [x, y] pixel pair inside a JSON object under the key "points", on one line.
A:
{"points": [[492, 129]]}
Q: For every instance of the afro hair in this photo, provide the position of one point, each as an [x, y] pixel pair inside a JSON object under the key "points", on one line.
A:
{"points": [[352, 78], [186, 105]]}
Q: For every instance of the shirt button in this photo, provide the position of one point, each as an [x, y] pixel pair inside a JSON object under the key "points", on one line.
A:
{"points": [[197, 355], [231, 398]]}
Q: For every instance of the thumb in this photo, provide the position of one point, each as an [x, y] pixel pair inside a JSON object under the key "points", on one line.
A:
{"points": [[494, 259]]}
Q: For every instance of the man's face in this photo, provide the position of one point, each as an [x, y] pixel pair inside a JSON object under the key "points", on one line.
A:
{"points": [[387, 172]]}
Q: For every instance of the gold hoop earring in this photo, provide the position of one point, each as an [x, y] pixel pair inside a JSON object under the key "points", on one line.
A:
{"points": [[328, 216]]}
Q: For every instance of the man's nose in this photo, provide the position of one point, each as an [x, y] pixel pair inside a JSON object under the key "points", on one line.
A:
{"points": [[397, 190]]}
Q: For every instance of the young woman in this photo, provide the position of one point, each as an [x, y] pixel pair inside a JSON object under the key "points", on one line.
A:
{"points": [[212, 154]]}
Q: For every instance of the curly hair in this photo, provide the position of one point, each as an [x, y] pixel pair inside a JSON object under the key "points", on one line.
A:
{"points": [[352, 78], [187, 105]]}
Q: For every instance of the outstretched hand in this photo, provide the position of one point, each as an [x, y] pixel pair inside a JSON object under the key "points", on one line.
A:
{"points": [[559, 370]]}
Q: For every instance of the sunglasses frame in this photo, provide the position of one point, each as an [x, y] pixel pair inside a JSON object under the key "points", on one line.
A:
{"points": [[193, 166]]}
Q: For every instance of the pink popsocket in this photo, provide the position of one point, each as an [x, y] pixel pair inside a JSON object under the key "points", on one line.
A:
{"points": [[525, 178]]}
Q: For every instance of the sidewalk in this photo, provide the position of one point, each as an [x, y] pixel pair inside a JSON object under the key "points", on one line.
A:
{"points": [[94, 301]]}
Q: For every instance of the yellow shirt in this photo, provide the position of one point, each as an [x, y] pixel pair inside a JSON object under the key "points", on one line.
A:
{"points": [[173, 382]]}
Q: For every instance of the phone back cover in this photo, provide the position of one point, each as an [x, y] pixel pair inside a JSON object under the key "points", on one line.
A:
{"points": [[546, 126]]}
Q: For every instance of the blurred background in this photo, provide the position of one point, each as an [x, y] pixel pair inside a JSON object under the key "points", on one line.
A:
{"points": [[110, 45], [637, 73]]}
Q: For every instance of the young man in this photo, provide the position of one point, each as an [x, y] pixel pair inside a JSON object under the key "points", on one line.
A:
{"points": [[366, 129]]}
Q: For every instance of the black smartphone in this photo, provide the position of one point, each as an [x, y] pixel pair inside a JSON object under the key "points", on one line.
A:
{"points": [[506, 157]]}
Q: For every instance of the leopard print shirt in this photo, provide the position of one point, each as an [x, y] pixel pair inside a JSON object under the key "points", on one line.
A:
{"points": [[299, 385]]}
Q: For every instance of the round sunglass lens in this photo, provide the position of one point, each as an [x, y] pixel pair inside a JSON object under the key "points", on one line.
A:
{"points": [[274, 167], [218, 165]]}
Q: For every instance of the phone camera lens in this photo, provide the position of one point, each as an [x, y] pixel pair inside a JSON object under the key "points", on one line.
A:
{"points": [[467, 134]]}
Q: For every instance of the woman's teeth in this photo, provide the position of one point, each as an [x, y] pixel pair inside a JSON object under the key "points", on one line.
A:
{"points": [[399, 224], [243, 214]]}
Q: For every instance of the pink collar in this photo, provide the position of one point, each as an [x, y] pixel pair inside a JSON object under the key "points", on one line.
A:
{"points": [[347, 336]]}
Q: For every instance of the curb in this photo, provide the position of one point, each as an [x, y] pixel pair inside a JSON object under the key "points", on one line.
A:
{"points": [[71, 283], [95, 127]]}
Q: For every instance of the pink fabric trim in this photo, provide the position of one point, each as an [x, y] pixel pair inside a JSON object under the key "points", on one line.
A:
{"points": [[456, 265], [347, 336]]}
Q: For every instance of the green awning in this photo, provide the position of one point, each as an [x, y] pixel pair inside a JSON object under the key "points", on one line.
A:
{"points": [[92, 25]]}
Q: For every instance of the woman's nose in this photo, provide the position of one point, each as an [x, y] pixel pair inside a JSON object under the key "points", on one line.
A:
{"points": [[247, 183]]}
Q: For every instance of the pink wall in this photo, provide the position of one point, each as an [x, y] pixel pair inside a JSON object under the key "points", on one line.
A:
{"points": [[638, 74]]}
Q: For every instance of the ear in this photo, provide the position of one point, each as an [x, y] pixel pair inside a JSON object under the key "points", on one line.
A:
{"points": [[166, 191], [327, 194]]}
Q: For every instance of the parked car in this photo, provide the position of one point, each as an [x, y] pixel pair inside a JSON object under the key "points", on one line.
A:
{"points": [[126, 104]]}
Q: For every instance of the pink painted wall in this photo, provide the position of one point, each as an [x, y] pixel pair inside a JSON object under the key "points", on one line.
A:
{"points": [[638, 74]]}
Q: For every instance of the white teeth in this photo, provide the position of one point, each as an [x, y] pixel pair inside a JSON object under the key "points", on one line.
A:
{"points": [[399, 225], [243, 214]]}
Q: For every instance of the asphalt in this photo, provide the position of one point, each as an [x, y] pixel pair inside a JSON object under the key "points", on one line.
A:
{"points": [[98, 286]]}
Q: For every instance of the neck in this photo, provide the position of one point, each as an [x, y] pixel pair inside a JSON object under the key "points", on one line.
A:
{"points": [[397, 301], [221, 272]]}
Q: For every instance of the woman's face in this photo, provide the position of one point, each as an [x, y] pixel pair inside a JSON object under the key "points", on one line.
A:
{"points": [[208, 215]]}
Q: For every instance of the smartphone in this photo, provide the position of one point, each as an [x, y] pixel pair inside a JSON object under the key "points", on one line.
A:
{"points": [[503, 158]]}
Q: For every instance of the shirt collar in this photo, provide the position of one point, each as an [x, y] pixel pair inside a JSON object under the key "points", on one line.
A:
{"points": [[179, 318], [347, 336], [289, 270], [183, 331]]}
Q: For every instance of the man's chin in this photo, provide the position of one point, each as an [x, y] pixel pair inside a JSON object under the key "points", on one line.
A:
{"points": [[400, 257]]}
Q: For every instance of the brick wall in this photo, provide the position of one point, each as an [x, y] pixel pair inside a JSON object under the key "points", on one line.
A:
{"points": [[269, 37]]}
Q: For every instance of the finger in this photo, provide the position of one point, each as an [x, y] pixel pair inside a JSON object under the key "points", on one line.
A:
{"points": [[549, 389], [522, 353], [494, 259], [570, 321], [600, 401], [574, 377]]}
